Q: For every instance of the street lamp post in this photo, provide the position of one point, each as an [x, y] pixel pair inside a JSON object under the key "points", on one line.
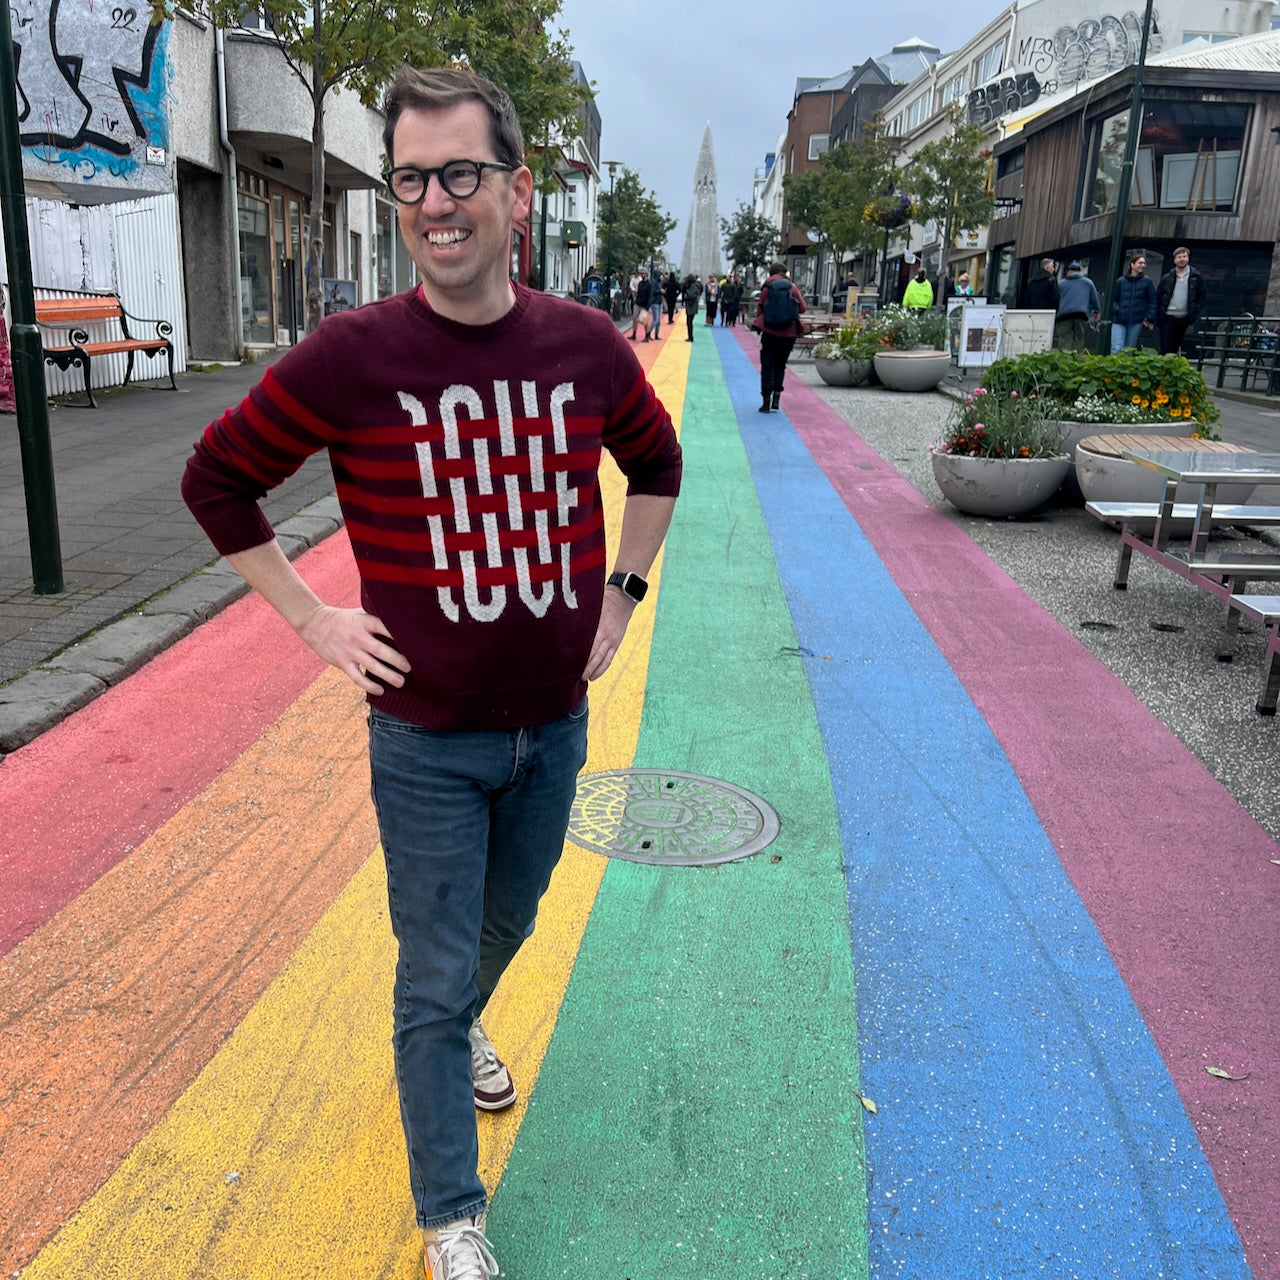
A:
{"points": [[612, 166], [1126, 178]]}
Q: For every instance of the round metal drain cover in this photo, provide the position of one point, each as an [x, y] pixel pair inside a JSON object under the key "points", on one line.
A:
{"points": [[666, 818]]}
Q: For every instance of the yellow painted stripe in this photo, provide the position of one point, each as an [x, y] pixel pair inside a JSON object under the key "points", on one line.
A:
{"points": [[285, 1156]]}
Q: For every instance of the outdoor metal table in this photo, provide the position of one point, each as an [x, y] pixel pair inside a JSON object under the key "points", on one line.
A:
{"points": [[1224, 576]]}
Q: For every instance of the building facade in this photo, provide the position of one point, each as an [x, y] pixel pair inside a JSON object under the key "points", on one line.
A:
{"points": [[1206, 175]]}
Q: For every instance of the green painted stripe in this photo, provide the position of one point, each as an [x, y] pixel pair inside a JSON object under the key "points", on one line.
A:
{"points": [[697, 1113]]}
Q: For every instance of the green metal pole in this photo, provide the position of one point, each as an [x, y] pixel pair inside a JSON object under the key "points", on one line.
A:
{"points": [[28, 357], [1126, 181]]}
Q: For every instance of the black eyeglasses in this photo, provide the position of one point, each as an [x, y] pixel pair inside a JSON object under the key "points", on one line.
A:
{"points": [[459, 178]]}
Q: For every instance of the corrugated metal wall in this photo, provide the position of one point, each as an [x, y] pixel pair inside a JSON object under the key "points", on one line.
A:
{"points": [[129, 248]]}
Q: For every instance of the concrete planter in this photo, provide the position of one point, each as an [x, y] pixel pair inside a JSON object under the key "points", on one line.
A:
{"points": [[1103, 477], [839, 372], [998, 486], [919, 370]]}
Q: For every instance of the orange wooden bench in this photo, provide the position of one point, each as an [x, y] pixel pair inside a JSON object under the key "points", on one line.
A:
{"points": [[70, 315]]}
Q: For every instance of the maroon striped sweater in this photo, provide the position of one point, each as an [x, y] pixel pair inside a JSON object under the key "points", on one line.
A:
{"points": [[466, 462]]}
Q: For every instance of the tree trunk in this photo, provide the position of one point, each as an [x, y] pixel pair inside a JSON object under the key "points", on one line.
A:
{"points": [[315, 224]]}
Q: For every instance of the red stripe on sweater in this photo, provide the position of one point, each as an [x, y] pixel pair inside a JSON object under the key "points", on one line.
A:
{"points": [[240, 459], [422, 576], [419, 541], [295, 410]]}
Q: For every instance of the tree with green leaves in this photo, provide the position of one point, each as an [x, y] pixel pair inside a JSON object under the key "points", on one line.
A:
{"points": [[835, 197], [949, 180], [357, 45], [751, 241], [633, 225]]}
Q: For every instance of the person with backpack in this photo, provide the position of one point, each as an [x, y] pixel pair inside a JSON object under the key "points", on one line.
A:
{"points": [[692, 292], [778, 311]]}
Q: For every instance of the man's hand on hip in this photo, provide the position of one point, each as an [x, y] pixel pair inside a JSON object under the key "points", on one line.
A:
{"points": [[357, 644]]}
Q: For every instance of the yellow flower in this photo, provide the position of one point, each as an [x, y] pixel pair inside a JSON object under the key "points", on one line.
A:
{"points": [[1135, 399]]}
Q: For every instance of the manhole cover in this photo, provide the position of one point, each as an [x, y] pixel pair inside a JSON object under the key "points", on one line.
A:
{"points": [[666, 818]]}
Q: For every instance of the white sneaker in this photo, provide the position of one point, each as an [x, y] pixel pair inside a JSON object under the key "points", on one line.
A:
{"points": [[459, 1251], [490, 1080]]}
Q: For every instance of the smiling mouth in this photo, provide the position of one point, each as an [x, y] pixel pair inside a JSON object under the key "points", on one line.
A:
{"points": [[443, 239]]}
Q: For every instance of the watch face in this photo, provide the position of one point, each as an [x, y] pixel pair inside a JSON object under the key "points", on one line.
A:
{"points": [[631, 585]]}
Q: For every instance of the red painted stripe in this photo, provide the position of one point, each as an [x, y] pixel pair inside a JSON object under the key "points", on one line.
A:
{"points": [[1175, 874], [81, 796]]}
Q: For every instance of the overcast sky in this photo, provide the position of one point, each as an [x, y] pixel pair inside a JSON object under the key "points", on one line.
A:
{"points": [[664, 69]]}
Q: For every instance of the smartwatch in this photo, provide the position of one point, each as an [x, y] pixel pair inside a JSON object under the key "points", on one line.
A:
{"points": [[632, 585]]}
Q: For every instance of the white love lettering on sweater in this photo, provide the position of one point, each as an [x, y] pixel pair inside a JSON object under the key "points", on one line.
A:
{"points": [[475, 450]]}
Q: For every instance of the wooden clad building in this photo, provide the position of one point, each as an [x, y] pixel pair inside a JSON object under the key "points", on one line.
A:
{"points": [[1206, 174]]}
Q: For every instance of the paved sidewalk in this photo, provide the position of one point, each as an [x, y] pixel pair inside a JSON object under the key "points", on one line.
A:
{"points": [[139, 572]]}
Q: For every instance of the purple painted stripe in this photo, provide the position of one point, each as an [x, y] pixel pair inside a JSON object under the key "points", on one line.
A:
{"points": [[1175, 874]]}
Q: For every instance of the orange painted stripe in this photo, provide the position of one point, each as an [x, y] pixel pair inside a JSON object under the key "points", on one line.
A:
{"points": [[114, 1006]]}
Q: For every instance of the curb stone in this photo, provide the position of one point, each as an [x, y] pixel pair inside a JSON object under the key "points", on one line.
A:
{"points": [[69, 681]]}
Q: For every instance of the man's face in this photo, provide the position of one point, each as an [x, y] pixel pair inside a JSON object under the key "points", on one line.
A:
{"points": [[1181, 258], [462, 247], [1138, 266]]}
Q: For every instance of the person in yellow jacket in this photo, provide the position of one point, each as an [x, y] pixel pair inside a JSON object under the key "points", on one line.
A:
{"points": [[919, 292]]}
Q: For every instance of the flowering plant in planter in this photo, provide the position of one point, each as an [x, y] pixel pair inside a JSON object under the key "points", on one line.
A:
{"points": [[991, 424], [1131, 388], [853, 341], [906, 328]]}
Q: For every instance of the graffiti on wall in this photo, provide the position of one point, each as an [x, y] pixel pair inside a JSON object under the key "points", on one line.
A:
{"points": [[1092, 48], [91, 81], [1047, 64], [1009, 93]]}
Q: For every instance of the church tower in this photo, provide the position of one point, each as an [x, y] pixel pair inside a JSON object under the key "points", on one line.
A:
{"points": [[701, 254]]}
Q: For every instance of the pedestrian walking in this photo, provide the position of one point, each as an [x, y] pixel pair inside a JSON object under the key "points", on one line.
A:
{"points": [[1133, 305], [919, 292], [692, 292], [1042, 288], [475, 656], [778, 311], [671, 292], [640, 315], [655, 305], [712, 297], [1180, 298], [1078, 308]]}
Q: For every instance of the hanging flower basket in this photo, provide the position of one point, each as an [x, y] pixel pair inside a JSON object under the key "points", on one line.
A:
{"points": [[889, 211]]}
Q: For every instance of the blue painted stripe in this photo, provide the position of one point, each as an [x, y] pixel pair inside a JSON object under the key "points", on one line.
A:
{"points": [[1027, 1125]]}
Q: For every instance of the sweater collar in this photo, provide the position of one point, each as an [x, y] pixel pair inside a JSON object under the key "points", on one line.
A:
{"points": [[471, 332]]}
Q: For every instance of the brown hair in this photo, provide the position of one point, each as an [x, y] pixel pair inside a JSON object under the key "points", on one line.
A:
{"points": [[777, 269], [433, 88]]}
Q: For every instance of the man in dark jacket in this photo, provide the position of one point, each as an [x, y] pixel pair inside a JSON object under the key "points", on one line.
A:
{"points": [[1042, 288], [1180, 298], [1133, 306], [778, 333]]}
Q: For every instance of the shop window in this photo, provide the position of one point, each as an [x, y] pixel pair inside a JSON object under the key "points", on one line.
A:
{"points": [[1188, 157], [1011, 162]]}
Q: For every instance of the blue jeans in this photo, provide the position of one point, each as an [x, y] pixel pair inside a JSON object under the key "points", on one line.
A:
{"points": [[1124, 335], [472, 826]]}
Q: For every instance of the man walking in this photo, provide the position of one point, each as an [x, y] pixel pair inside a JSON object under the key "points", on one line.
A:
{"points": [[778, 311], [463, 421], [1180, 298], [1078, 306], [1042, 288]]}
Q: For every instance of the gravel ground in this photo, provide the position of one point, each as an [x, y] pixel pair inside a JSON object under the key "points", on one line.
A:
{"points": [[1158, 636]]}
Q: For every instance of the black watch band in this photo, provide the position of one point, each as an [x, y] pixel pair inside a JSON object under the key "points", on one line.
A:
{"points": [[632, 585]]}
